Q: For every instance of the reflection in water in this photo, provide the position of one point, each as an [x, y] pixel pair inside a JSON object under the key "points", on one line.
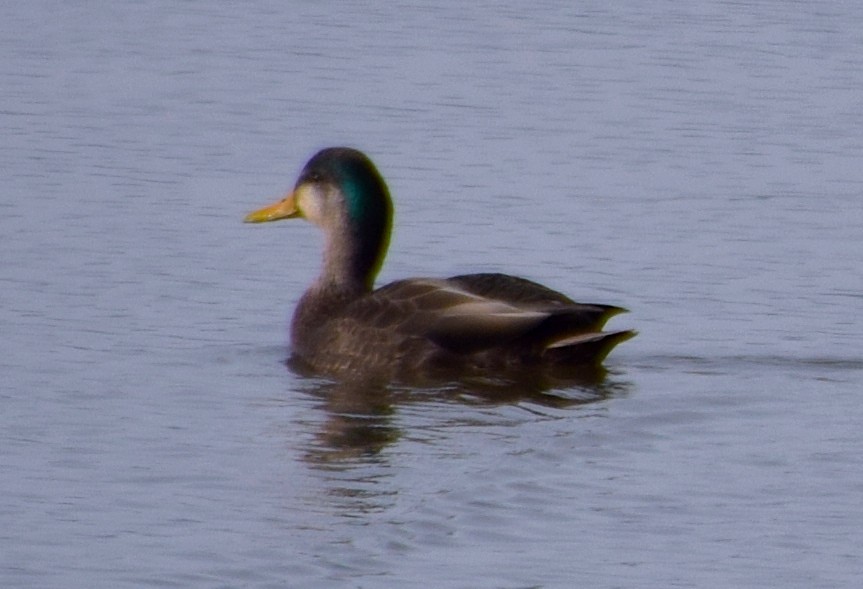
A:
{"points": [[361, 421], [361, 425], [360, 414], [358, 422]]}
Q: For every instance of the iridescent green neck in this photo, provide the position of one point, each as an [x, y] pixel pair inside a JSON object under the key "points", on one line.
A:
{"points": [[357, 239]]}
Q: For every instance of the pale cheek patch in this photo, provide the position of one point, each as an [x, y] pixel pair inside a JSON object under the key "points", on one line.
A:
{"points": [[310, 204]]}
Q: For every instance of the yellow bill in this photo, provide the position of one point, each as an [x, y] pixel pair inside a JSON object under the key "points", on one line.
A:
{"points": [[284, 209]]}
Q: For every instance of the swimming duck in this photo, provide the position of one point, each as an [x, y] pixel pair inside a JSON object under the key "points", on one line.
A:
{"points": [[474, 323]]}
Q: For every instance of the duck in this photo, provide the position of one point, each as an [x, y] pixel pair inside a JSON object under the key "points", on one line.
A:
{"points": [[485, 323]]}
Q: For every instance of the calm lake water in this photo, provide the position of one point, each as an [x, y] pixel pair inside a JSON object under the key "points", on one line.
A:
{"points": [[698, 163]]}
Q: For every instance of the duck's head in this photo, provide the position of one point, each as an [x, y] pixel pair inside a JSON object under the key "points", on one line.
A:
{"points": [[341, 191]]}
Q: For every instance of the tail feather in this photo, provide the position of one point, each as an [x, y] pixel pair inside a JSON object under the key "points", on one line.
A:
{"points": [[585, 348]]}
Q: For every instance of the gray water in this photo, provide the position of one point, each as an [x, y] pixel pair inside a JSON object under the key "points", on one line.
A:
{"points": [[698, 163]]}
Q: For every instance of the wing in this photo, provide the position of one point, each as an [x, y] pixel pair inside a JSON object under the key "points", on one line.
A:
{"points": [[478, 311], [565, 317], [512, 289], [450, 316]]}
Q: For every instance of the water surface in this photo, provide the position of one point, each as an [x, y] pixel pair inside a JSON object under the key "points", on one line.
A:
{"points": [[697, 164]]}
